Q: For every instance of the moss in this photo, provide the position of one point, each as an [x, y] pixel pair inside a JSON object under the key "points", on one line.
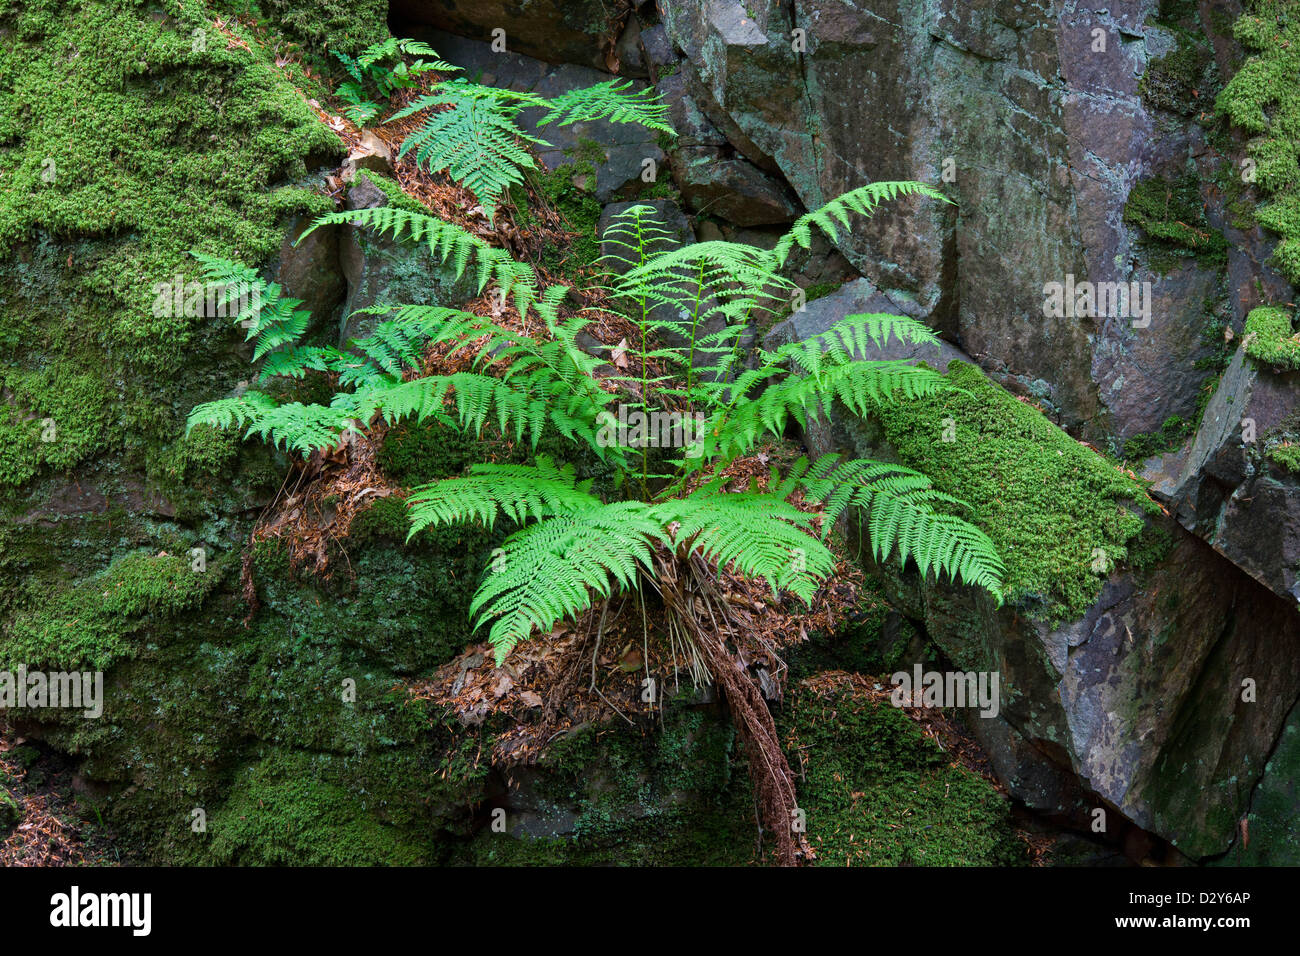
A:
{"points": [[562, 188], [1186, 78], [1172, 216], [1271, 338], [91, 624], [10, 812], [1287, 454], [1263, 100], [127, 138], [345, 25], [286, 810], [878, 792], [1150, 548], [674, 796], [1050, 504], [397, 197], [1172, 433]]}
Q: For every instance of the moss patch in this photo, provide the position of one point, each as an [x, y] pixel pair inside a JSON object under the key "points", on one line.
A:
{"points": [[90, 624], [128, 137], [878, 792], [1052, 506], [1263, 100], [1173, 432], [1172, 216], [1272, 340]]}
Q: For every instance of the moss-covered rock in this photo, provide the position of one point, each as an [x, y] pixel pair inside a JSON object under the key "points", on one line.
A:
{"points": [[878, 792], [1270, 338]]}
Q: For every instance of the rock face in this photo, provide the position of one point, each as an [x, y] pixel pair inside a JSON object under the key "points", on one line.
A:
{"points": [[1033, 119], [1226, 487], [559, 31], [382, 271], [1159, 702]]}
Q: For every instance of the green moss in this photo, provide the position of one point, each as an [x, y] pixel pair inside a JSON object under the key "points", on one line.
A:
{"points": [[346, 25], [1185, 79], [127, 138], [563, 189], [1050, 504], [10, 812], [286, 810], [1287, 454], [878, 792], [1172, 216], [1263, 100], [91, 624], [674, 796], [1271, 338], [397, 197], [1170, 437]]}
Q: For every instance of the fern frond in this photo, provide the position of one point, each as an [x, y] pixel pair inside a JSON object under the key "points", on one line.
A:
{"points": [[470, 133], [834, 217], [613, 101], [225, 412], [446, 241], [759, 535], [551, 570], [518, 492], [903, 516]]}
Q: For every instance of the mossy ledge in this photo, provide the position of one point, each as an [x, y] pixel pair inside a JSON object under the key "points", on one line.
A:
{"points": [[1061, 514]]}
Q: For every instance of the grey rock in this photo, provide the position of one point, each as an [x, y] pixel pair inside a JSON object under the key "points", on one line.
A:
{"points": [[380, 271]]}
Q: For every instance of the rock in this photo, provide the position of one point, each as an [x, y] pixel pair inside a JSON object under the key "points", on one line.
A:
{"points": [[693, 128], [1041, 191], [381, 271], [1228, 490], [617, 154], [622, 155], [558, 31], [371, 153], [732, 189], [1111, 707], [309, 270], [657, 52], [631, 58]]}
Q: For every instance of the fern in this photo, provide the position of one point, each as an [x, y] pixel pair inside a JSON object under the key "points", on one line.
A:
{"points": [[835, 217], [572, 547], [471, 132], [517, 492], [553, 569], [472, 135], [447, 242], [610, 101], [372, 68]]}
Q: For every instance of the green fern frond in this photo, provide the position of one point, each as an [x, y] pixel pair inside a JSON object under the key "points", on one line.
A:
{"points": [[903, 516], [613, 101], [757, 534], [225, 412], [834, 217], [446, 241], [471, 134], [551, 570], [518, 492]]}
